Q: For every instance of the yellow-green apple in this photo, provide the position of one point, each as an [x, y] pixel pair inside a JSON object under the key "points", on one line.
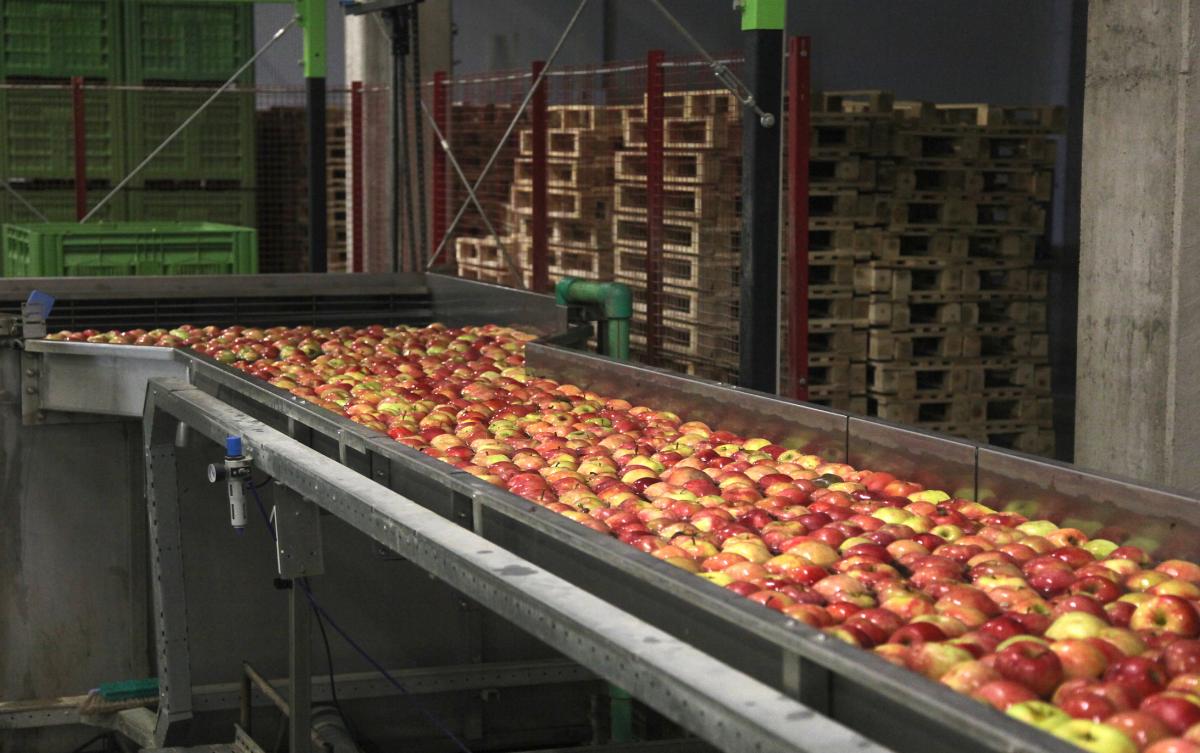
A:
{"points": [[1040, 714], [1075, 625], [935, 659], [1094, 737], [969, 676]]}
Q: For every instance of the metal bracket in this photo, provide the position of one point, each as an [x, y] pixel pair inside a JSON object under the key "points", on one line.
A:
{"points": [[298, 549]]}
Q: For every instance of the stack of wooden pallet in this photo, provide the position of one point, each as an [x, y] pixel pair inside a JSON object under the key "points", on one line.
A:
{"points": [[700, 252], [953, 300], [580, 142]]}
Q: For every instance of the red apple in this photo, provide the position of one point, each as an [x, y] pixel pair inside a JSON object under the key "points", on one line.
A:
{"points": [[1032, 664]]}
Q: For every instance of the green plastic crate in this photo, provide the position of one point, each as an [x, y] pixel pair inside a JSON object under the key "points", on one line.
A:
{"points": [[37, 134], [58, 205], [182, 40], [61, 38], [218, 146], [128, 248], [226, 207]]}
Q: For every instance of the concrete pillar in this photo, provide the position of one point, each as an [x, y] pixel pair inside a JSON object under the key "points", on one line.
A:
{"points": [[369, 60], [1139, 287]]}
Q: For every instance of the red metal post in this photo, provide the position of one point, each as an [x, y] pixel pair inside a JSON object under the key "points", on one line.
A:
{"points": [[440, 110], [358, 249], [541, 249], [798, 138], [80, 148], [654, 202]]}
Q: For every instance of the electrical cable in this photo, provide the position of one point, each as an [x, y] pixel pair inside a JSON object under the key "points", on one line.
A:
{"points": [[337, 704], [432, 718], [88, 744]]}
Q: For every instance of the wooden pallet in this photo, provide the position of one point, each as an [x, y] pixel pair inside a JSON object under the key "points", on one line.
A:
{"points": [[1000, 279], [582, 234], [857, 102], [947, 409], [843, 135], [972, 144], [918, 378], [685, 202], [1003, 373], [936, 212], [842, 208], [573, 143], [836, 339], [1004, 311], [678, 167], [565, 173], [921, 343], [1034, 412], [678, 235], [469, 271], [966, 180], [845, 242], [959, 245], [711, 274], [1017, 436], [565, 203], [835, 307], [902, 283], [684, 304], [581, 117], [830, 269], [686, 133], [689, 339], [902, 315], [995, 341], [842, 171], [1003, 118]]}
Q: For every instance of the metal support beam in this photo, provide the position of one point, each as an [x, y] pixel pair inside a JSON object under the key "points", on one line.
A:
{"points": [[654, 203], [798, 136], [758, 340], [299, 671], [540, 251], [77, 107]]}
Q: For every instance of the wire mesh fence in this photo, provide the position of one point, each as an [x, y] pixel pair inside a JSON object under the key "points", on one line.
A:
{"points": [[242, 162]]}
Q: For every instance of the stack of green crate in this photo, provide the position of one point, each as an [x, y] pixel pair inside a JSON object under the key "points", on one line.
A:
{"points": [[44, 43], [70, 249], [188, 47]]}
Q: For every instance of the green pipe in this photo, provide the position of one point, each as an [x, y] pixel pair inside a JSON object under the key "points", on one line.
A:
{"points": [[612, 301], [620, 715], [311, 15]]}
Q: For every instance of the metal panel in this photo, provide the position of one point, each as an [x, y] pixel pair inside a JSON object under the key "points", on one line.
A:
{"points": [[1164, 522], [748, 412], [93, 378], [210, 286], [932, 460], [713, 700], [461, 302]]}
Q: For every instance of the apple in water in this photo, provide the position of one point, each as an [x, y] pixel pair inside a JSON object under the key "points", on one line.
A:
{"points": [[1178, 711], [935, 659], [1044, 716], [1142, 728], [1080, 658], [1094, 737], [1166, 614], [1000, 694], [1141, 676], [1032, 664], [1182, 657]]}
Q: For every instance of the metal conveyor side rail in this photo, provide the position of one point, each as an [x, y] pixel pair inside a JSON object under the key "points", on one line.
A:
{"points": [[717, 702]]}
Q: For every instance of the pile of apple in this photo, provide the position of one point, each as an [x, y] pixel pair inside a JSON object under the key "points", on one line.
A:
{"points": [[1085, 638]]}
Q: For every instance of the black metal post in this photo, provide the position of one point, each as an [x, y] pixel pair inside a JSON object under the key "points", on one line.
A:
{"points": [[317, 219], [758, 340], [401, 176]]}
